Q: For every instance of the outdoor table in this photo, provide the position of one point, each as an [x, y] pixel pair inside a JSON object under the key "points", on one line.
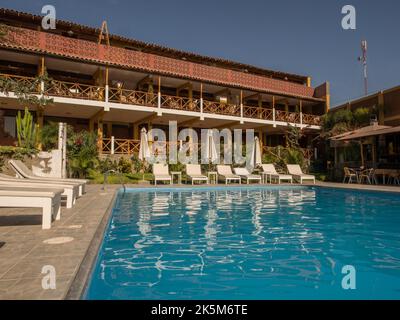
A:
{"points": [[215, 174], [264, 177], [178, 174], [384, 173]]}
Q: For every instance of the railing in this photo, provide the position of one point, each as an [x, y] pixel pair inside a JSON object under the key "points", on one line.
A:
{"points": [[257, 113], [27, 82], [311, 119], [150, 99], [132, 97], [221, 108], [74, 90], [180, 103], [119, 146]]}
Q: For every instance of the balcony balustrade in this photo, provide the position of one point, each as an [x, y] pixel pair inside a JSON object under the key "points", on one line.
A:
{"points": [[118, 95]]}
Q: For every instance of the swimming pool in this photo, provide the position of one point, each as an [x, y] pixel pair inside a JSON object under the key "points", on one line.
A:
{"points": [[249, 243]]}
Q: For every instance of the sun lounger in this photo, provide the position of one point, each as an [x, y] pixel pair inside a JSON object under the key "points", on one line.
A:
{"points": [[47, 199], [194, 173], [23, 171], [70, 191], [161, 173], [297, 173], [225, 172], [244, 173], [270, 170]]}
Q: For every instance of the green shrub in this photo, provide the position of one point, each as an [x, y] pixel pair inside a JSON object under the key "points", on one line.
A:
{"points": [[124, 165], [8, 152], [82, 153]]}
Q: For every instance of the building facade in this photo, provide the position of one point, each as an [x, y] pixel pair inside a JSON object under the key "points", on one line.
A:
{"points": [[113, 86]]}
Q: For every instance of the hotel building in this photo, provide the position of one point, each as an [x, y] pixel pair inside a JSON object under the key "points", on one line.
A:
{"points": [[113, 86]]}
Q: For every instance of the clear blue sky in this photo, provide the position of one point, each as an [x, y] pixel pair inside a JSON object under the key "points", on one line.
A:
{"points": [[303, 37]]}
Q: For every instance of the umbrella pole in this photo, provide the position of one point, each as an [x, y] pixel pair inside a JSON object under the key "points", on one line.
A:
{"points": [[362, 153]]}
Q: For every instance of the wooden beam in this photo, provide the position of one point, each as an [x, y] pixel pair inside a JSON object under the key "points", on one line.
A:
{"points": [[146, 80], [252, 96], [98, 114], [146, 118], [228, 125], [104, 34], [188, 122], [225, 91]]}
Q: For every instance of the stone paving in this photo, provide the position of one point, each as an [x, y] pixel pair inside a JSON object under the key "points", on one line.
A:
{"points": [[23, 252]]}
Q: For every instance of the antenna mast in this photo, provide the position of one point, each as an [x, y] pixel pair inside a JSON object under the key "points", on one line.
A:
{"points": [[363, 60]]}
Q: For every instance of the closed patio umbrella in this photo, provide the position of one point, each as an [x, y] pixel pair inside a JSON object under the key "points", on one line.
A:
{"points": [[144, 149], [211, 148], [255, 157]]}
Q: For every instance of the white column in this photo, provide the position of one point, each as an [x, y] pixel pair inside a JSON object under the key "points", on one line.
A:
{"points": [[241, 113], [201, 109], [159, 112], [112, 144], [107, 107]]}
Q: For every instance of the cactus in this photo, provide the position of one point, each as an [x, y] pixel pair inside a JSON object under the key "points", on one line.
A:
{"points": [[27, 130]]}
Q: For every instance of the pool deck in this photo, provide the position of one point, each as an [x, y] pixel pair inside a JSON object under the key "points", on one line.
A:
{"points": [[23, 252]]}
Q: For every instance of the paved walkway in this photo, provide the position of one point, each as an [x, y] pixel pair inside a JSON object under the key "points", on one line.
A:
{"points": [[23, 252]]}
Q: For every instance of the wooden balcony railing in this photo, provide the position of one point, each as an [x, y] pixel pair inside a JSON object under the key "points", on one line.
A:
{"points": [[119, 146], [26, 82], [75, 90], [133, 97], [257, 113], [180, 103], [221, 108]]}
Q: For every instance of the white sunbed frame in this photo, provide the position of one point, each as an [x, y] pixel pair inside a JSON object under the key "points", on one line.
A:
{"points": [[226, 173], [70, 191], [297, 173], [269, 169], [49, 200], [194, 173], [161, 173], [23, 171], [244, 173]]}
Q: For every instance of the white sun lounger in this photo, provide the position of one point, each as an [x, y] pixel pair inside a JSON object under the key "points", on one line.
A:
{"points": [[194, 173], [47, 199], [295, 170], [23, 171], [70, 191], [161, 173], [270, 170], [244, 173], [226, 173]]}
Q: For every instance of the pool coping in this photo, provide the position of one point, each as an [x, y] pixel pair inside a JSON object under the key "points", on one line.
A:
{"points": [[81, 280]]}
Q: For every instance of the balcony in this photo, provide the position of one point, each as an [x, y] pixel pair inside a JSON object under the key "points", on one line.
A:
{"points": [[158, 100], [111, 146]]}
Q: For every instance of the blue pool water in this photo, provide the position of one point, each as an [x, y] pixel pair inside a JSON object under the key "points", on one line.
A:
{"points": [[249, 243]]}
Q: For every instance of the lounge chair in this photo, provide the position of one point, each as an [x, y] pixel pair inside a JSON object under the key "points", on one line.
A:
{"points": [[161, 173], [244, 173], [47, 199], [295, 171], [194, 173], [270, 170], [226, 173], [23, 171], [70, 191]]}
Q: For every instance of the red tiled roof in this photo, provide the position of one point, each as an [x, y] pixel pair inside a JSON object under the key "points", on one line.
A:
{"points": [[17, 16], [54, 44]]}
